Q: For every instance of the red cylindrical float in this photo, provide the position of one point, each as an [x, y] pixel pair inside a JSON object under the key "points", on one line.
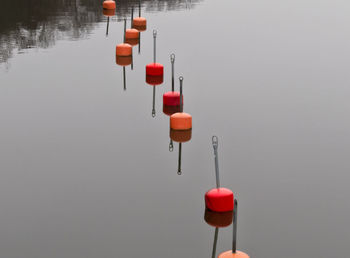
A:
{"points": [[218, 219], [169, 110], [219, 199], [123, 50], [108, 5], [154, 69], [172, 98], [154, 80]]}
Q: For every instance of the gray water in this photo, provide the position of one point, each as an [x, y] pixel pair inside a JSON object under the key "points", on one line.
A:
{"points": [[85, 170]]}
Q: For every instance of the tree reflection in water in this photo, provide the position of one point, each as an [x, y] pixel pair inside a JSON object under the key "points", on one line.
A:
{"points": [[39, 24]]}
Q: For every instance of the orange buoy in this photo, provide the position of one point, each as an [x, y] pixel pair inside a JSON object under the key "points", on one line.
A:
{"points": [[123, 60], [132, 34], [132, 42], [108, 12], [108, 5], [123, 49], [237, 254], [139, 23], [180, 135]]}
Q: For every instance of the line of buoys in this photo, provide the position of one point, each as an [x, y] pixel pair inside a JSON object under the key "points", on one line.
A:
{"points": [[181, 120], [218, 199], [234, 253]]}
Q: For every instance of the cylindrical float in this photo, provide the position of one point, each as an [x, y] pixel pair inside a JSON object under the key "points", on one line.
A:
{"points": [[219, 200], [108, 12], [154, 69], [132, 34], [123, 49], [154, 80], [123, 60], [218, 219], [237, 254], [169, 110], [180, 136], [108, 5]]}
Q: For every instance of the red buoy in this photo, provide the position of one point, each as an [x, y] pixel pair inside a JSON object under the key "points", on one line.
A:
{"points": [[108, 5], [172, 98], [219, 199], [169, 110], [218, 219], [154, 69], [154, 80]]}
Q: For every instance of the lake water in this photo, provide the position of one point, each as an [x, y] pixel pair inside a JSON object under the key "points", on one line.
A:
{"points": [[86, 171]]}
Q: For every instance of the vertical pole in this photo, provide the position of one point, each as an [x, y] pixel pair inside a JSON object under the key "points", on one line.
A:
{"points": [[179, 163], [171, 145], [213, 255], [132, 17], [107, 26], [154, 45], [215, 143], [139, 8], [124, 78], [154, 102], [234, 237], [139, 42], [181, 104], [172, 59], [124, 29]]}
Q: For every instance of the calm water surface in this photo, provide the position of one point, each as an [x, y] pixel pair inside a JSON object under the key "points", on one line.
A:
{"points": [[86, 171]]}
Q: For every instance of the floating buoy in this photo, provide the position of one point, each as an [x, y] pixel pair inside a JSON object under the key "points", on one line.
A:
{"points": [[154, 80], [169, 110], [132, 42], [132, 34], [180, 135], [124, 49], [218, 219], [181, 120], [218, 199], [123, 60], [108, 5], [234, 253], [172, 98], [154, 69], [139, 23], [108, 12]]}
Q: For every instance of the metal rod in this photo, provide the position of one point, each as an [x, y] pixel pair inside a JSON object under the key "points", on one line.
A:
{"points": [[124, 78], [132, 62], [132, 17], [171, 146], [215, 143], [154, 102], [172, 59], [139, 42], [179, 163], [181, 104], [107, 26], [213, 255], [234, 237], [124, 29], [154, 45], [140, 8]]}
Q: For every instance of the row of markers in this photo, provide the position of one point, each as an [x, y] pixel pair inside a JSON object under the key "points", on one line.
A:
{"points": [[221, 207]]}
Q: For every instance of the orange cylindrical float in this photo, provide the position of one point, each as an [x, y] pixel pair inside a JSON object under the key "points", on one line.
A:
{"points": [[140, 24], [108, 12], [132, 42], [123, 49], [108, 5], [230, 254], [132, 34], [181, 121], [123, 60], [181, 135]]}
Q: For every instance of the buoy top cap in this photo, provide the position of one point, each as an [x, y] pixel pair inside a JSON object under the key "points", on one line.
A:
{"points": [[140, 19], [109, 4], [229, 254], [172, 94], [157, 65], [181, 115], [126, 45], [219, 192]]}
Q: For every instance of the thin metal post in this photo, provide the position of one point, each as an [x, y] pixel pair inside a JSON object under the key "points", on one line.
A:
{"points": [[179, 163], [107, 26], [213, 255], [124, 29], [140, 8], [215, 143], [132, 17], [234, 237], [124, 78], [154, 102], [181, 104], [154, 45], [139, 42], [172, 59], [171, 146]]}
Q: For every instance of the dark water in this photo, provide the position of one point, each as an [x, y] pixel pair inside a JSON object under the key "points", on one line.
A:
{"points": [[86, 170]]}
